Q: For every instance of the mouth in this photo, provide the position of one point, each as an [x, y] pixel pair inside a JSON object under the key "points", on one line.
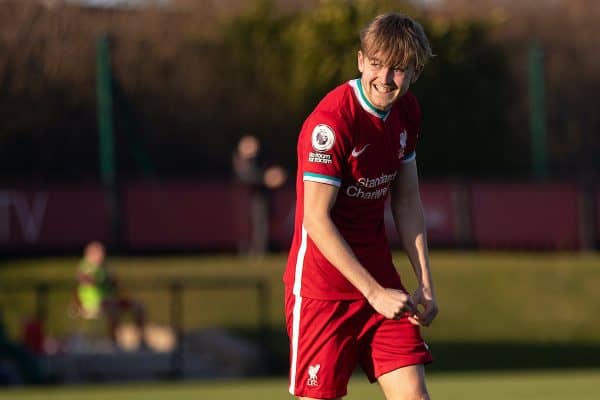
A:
{"points": [[384, 89]]}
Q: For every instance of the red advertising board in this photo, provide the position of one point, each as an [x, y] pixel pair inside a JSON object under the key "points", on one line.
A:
{"points": [[440, 213], [525, 216], [438, 205], [216, 215], [59, 217], [283, 213], [179, 215]]}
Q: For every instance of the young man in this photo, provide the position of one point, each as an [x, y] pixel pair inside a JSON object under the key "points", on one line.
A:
{"points": [[345, 302]]}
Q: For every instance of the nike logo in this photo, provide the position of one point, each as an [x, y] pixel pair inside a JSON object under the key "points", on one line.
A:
{"points": [[356, 153]]}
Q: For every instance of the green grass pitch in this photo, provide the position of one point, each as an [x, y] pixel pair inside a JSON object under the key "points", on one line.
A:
{"points": [[541, 299], [533, 297], [580, 385]]}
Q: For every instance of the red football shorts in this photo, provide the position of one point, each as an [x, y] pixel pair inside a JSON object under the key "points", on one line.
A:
{"points": [[328, 339]]}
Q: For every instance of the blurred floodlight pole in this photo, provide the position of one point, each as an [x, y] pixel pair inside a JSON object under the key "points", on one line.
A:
{"points": [[106, 134], [105, 118], [537, 118]]}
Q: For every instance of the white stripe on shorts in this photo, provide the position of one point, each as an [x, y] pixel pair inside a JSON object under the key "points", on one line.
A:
{"points": [[295, 338]]}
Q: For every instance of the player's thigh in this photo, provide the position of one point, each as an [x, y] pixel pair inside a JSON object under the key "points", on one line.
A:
{"points": [[390, 345], [406, 383]]}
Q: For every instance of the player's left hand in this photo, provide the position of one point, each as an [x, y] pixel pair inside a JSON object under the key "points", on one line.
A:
{"points": [[424, 297]]}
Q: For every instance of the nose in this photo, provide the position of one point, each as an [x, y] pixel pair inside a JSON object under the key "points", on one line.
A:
{"points": [[387, 75]]}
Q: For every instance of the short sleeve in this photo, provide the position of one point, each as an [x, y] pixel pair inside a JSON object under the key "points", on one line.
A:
{"points": [[322, 149]]}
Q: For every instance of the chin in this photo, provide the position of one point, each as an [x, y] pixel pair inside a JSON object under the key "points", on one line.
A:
{"points": [[384, 105]]}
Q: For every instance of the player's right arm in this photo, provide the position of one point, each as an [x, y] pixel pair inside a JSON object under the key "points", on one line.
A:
{"points": [[318, 201]]}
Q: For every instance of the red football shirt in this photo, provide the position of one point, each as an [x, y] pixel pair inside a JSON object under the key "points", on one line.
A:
{"points": [[348, 143]]}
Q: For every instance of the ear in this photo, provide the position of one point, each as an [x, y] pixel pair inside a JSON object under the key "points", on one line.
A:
{"points": [[361, 61]]}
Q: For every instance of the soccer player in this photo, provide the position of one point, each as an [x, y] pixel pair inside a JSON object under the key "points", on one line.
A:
{"points": [[345, 302]]}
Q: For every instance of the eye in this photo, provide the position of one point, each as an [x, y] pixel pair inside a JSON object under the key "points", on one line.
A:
{"points": [[398, 68]]}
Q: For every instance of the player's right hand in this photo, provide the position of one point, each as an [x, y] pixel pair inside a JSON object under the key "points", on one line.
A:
{"points": [[424, 296], [392, 303]]}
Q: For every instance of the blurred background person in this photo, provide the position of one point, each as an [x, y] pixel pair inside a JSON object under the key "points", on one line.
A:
{"points": [[98, 294], [255, 181]]}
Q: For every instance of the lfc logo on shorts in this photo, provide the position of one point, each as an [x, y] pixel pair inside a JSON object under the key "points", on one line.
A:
{"points": [[312, 375]]}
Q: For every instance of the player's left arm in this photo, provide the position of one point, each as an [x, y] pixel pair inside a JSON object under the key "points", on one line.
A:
{"points": [[409, 219]]}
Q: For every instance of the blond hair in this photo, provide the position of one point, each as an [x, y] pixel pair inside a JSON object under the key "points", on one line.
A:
{"points": [[396, 40]]}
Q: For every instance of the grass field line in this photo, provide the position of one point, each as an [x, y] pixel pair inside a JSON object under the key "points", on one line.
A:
{"points": [[517, 385]]}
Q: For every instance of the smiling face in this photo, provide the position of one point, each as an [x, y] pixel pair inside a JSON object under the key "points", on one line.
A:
{"points": [[393, 52], [384, 84]]}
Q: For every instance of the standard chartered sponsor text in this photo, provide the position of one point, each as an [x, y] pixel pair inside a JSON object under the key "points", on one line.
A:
{"points": [[383, 179], [357, 191]]}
